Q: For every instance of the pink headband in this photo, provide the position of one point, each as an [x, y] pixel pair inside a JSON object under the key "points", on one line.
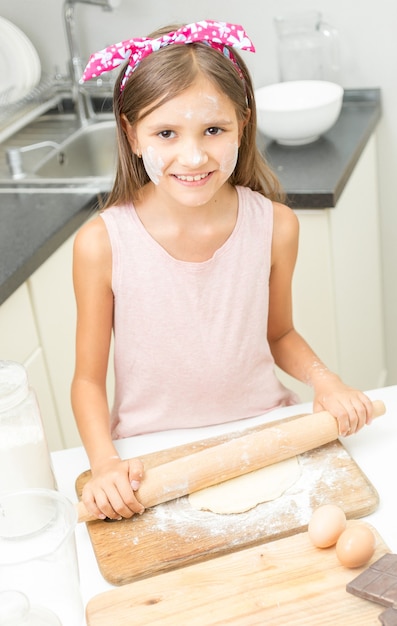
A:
{"points": [[215, 34]]}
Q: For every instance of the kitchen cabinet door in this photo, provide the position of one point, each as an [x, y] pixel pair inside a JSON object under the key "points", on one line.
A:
{"points": [[51, 291], [337, 289], [18, 333], [39, 381], [356, 261], [53, 302], [19, 341]]}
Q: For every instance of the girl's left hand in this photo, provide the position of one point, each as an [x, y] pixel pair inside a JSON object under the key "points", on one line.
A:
{"points": [[352, 408]]}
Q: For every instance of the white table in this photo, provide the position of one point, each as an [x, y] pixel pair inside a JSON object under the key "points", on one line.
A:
{"points": [[374, 449]]}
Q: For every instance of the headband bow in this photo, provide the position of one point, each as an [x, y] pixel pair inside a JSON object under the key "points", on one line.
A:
{"points": [[215, 34]]}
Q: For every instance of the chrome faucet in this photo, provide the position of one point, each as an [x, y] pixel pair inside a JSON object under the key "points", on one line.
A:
{"points": [[82, 99], [14, 157]]}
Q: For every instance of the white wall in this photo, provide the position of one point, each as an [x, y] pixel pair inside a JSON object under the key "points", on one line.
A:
{"points": [[368, 53]]}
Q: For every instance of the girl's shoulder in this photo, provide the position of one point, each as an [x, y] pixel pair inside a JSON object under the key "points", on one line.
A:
{"points": [[91, 240], [250, 195], [255, 198], [285, 227]]}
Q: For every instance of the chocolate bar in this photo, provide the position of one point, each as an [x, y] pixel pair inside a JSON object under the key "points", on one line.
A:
{"points": [[388, 617], [378, 583]]}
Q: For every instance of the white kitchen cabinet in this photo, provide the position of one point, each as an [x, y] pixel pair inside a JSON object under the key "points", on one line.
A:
{"points": [[18, 337], [19, 341], [53, 302], [51, 292], [338, 282]]}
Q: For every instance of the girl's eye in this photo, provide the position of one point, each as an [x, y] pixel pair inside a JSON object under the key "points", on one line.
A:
{"points": [[213, 130], [166, 134]]}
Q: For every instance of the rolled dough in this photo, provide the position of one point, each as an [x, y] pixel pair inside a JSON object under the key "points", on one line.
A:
{"points": [[245, 492]]}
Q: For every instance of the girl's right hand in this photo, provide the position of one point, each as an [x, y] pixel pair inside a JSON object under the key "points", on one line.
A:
{"points": [[110, 491]]}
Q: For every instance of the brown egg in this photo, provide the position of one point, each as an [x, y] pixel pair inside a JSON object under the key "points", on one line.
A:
{"points": [[326, 525], [356, 546]]}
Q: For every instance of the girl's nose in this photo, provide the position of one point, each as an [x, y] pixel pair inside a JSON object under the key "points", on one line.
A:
{"points": [[192, 155]]}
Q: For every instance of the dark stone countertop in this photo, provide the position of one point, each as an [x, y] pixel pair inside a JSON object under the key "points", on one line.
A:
{"points": [[34, 225], [314, 176]]}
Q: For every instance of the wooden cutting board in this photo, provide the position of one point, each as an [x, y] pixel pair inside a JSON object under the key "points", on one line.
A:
{"points": [[288, 581], [172, 534]]}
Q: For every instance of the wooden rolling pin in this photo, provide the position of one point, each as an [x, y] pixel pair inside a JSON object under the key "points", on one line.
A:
{"points": [[238, 456]]}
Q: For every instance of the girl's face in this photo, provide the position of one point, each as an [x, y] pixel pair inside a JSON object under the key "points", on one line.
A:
{"points": [[189, 145]]}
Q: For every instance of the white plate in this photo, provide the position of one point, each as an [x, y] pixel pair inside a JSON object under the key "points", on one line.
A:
{"points": [[20, 67], [30, 57]]}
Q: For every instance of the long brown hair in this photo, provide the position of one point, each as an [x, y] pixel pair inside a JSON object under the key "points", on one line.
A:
{"points": [[163, 75]]}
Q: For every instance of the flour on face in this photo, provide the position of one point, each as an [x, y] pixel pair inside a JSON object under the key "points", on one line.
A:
{"points": [[154, 164], [197, 157], [229, 159]]}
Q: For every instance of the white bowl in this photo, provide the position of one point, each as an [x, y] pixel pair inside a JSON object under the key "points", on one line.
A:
{"points": [[297, 112]]}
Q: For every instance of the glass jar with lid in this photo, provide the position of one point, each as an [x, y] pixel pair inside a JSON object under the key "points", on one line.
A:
{"points": [[24, 456]]}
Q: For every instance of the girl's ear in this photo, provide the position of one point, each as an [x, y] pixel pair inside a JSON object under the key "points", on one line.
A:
{"points": [[130, 134]]}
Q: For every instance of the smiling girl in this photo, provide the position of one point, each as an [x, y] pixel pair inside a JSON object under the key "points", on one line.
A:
{"points": [[189, 265]]}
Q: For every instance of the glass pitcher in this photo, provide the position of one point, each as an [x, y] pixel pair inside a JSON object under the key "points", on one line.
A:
{"points": [[308, 47]]}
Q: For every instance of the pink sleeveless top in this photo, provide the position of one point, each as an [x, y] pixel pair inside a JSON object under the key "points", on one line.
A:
{"points": [[190, 338]]}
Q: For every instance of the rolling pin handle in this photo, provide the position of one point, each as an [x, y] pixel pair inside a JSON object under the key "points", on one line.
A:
{"points": [[379, 408]]}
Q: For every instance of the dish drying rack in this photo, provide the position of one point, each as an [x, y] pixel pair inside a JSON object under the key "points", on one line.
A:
{"points": [[46, 95], [15, 115]]}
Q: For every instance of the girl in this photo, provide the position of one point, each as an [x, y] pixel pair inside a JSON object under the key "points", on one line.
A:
{"points": [[189, 265]]}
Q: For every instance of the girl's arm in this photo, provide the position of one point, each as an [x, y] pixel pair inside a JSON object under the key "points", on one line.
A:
{"points": [[109, 492], [291, 352]]}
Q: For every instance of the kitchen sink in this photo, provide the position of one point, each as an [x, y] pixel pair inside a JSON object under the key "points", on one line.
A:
{"points": [[90, 152], [80, 157]]}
